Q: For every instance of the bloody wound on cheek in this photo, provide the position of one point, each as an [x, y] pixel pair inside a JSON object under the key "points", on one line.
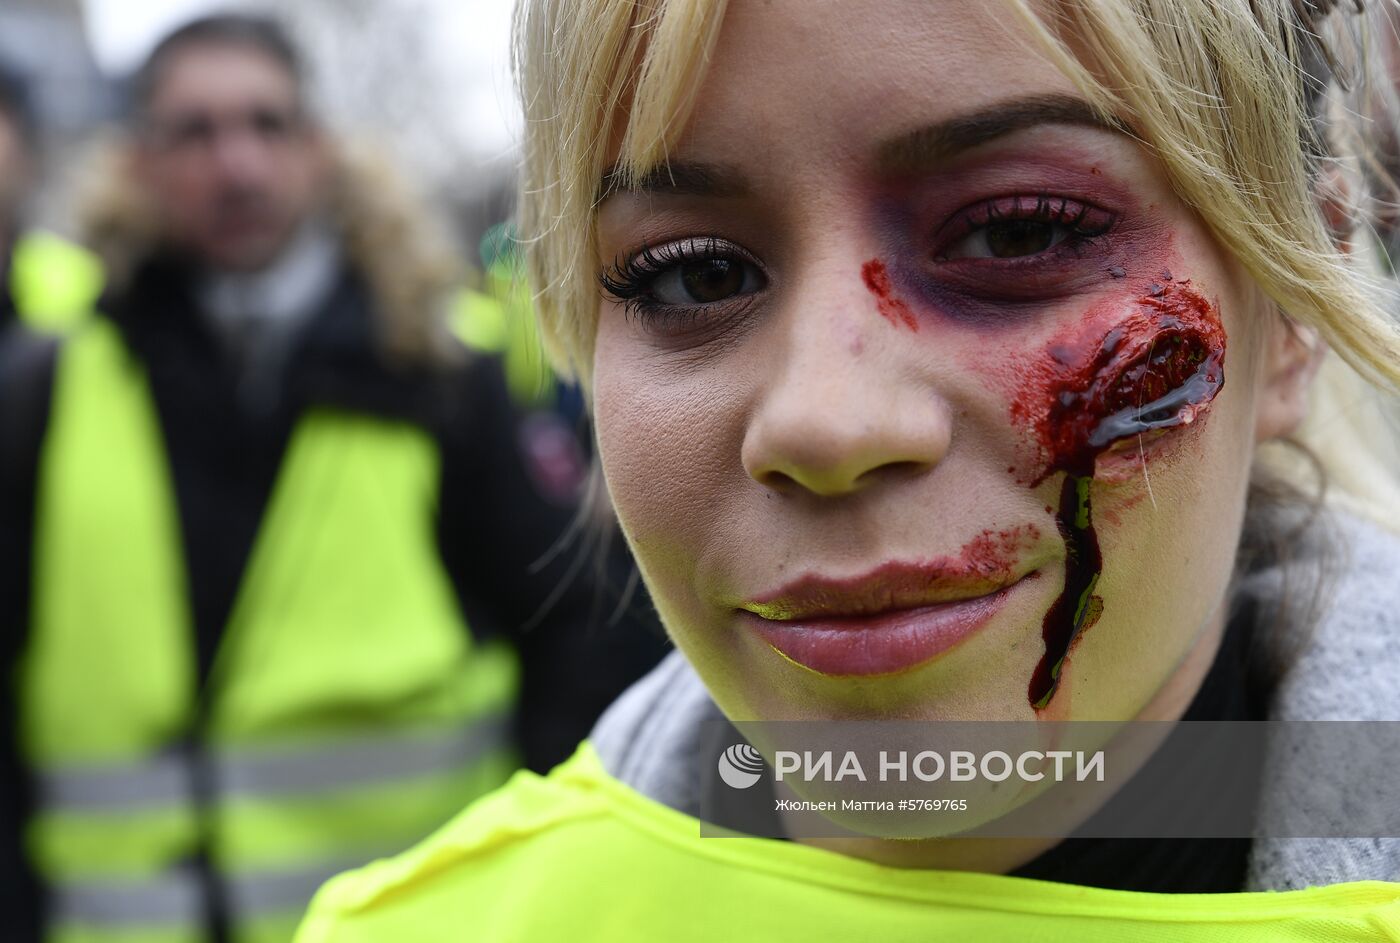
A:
{"points": [[892, 309], [1156, 369]]}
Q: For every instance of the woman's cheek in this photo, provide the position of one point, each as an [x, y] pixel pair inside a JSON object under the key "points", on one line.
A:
{"points": [[662, 447], [639, 452]]}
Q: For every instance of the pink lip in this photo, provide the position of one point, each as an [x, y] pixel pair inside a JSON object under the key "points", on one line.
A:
{"points": [[897, 618]]}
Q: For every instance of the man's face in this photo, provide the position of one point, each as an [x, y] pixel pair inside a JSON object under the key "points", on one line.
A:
{"points": [[14, 171], [228, 156]]}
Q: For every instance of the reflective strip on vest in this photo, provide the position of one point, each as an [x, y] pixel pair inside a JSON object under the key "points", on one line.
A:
{"points": [[349, 710], [168, 779], [55, 284], [175, 899]]}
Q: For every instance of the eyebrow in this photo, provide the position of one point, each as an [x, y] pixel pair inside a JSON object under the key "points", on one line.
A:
{"points": [[676, 178], [937, 143], [915, 150]]}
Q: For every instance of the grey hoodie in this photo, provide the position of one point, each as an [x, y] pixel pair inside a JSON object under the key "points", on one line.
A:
{"points": [[1346, 667]]}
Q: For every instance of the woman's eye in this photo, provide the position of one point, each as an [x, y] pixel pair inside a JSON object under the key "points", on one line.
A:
{"points": [[701, 281], [1010, 239], [1020, 227], [680, 276]]}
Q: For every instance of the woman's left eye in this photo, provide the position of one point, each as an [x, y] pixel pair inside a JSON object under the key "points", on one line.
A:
{"points": [[700, 281], [1020, 227], [687, 276]]}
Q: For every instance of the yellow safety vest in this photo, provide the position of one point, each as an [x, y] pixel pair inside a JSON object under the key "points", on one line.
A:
{"points": [[501, 320], [349, 712], [579, 856], [54, 283]]}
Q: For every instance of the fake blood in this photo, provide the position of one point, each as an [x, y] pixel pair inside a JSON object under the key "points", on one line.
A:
{"points": [[892, 309], [1156, 369], [992, 555]]}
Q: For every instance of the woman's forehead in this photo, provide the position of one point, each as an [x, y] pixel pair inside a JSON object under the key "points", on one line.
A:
{"points": [[852, 75], [910, 151]]}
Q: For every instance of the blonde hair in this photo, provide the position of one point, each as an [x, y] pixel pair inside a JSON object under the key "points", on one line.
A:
{"points": [[1180, 72]]}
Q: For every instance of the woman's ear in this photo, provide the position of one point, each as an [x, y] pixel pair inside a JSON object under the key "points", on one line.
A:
{"points": [[1335, 198], [1292, 352], [1291, 355]]}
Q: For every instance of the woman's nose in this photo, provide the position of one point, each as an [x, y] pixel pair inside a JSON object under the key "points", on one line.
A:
{"points": [[846, 403]]}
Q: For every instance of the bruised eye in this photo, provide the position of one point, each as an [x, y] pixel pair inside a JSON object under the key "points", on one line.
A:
{"points": [[1020, 227]]}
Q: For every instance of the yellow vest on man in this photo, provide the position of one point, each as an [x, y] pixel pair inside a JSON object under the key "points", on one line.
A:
{"points": [[579, 856], [54, 283], [348, 713], [500, 320]]}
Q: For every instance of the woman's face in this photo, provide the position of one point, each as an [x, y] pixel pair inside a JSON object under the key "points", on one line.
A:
{"points": [[918, 391]]}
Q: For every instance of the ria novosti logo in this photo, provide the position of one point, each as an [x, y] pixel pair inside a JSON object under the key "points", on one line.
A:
{"points": [[740, 766]]}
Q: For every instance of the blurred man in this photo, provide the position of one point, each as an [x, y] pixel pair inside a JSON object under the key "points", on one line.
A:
{"points": [[266, 495], [15, 126], [45, 281]]}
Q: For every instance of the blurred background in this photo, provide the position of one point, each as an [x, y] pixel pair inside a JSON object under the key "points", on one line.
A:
{"points": [[300, 549], [428, 78]]}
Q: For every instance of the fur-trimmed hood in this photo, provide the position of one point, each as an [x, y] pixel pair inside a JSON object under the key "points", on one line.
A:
{"points": [[387, 234]]}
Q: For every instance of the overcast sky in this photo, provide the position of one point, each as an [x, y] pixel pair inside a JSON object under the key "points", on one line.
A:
{"points": [[472, 36]]}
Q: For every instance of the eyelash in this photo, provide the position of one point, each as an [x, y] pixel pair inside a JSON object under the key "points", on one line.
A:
{"points": [[1084, 221], [629, 279]]}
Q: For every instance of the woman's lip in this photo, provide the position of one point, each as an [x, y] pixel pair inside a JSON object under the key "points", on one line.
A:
{"points": [[878, 643], [894, 585]]}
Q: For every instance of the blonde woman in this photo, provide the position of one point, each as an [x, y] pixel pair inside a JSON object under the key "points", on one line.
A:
{"points": [[939, 353]]}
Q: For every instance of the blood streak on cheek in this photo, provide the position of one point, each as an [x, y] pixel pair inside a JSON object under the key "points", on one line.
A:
{"points": [[891, 307], [1157, 368]]}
